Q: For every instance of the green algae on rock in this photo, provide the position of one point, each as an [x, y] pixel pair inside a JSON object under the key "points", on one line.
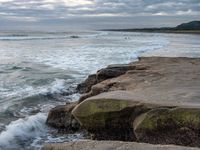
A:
{"points": [[169, 126]]}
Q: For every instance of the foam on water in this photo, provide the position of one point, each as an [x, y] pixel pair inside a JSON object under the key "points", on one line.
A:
{"points": [[18, 132], [48, 36], [56, 87], [90, 58]]}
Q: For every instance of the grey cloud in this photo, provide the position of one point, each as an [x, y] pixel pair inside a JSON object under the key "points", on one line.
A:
{"points": [[40, 8], [58, 11]]}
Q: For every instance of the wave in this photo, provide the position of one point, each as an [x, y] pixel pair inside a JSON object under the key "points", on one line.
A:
{"points": [[48, 36], [57, 91], [30, 133], [56, 87], [20, 38], [15, 35], [21, 131]]}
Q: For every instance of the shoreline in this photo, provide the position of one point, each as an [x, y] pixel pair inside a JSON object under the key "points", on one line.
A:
{"points": [[126, 102], [155, 31]]}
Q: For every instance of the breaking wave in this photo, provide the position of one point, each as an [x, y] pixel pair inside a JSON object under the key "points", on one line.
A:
{"points": [[18, 133]]}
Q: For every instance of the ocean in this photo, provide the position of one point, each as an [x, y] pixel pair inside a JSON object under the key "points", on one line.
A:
{"points": [[40, 70]]}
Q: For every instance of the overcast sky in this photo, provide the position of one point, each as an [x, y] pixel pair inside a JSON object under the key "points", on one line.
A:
{"points": [[95, 14]]}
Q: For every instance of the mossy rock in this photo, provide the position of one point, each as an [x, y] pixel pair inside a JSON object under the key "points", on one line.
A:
{"points": [[169, 126], [113, 109], [97, 113], [106, 119]]}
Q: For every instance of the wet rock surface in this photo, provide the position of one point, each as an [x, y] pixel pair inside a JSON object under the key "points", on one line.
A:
{"points": [[111, 145], [60, 118]]}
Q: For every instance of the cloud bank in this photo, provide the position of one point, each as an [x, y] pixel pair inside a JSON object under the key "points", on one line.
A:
{"points": [[97, 13]]}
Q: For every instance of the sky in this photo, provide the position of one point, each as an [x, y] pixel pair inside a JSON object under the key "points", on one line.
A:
{"points": [[95, 14]]}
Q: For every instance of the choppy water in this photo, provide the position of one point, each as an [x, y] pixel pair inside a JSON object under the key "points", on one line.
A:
{"points": [[41, 70]]}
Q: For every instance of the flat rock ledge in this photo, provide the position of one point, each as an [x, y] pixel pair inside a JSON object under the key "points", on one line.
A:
{"points": [[111, 145], [155, 100]]}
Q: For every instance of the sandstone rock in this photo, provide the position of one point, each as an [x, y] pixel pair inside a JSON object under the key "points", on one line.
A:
{"points": [[109, 115], [97, 89], [152, 83], [60, 117], [179, 126], [103, 74], [111, 145], [113, 71]]}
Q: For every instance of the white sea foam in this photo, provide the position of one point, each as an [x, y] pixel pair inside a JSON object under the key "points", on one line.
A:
{"points": [[58, 86], [87, 57], [22, 130], [19, 38]]}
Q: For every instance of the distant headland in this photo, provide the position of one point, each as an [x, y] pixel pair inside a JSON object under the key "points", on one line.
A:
{"points": [[190, 27]]}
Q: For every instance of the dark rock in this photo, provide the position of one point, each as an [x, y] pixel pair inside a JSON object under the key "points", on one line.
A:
{"points": [[87, 84], [60, 117], [113, 71], [103, 74], [74, 124], [74, 36]]}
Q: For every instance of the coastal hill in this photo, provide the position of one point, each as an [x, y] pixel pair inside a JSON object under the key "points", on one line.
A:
{"points": [[193, 25], [190, 27]]}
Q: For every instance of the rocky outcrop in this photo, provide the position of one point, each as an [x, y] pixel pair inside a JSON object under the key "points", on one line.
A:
{"points": [[60, 117], [103, 74], [149, 85], [111, 145], [154, 100]]}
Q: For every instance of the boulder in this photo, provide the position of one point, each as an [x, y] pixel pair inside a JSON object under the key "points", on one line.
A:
{"points": [[109, 115], [60, 117], [111, 145]]}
